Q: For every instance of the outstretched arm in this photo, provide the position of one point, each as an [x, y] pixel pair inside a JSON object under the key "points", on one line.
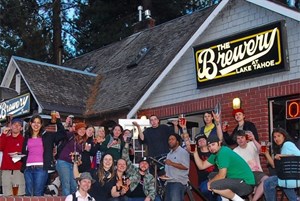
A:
{"points": [[200, 163], [141, 134]]}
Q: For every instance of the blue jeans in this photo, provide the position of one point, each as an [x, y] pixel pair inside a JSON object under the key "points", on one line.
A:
{"points": [[65, 172], [141, 199], [207, 193], [270, 185], [175, 191], [35, 181]]}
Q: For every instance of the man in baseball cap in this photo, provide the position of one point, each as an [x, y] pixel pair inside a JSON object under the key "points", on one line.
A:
{"points": [[84, 181], [234, 178], [142, 183], [11, 141]]}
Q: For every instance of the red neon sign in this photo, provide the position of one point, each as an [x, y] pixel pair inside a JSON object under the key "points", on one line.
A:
{"points": [[293, 109]]}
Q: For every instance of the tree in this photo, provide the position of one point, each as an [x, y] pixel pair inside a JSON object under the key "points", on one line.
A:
{"points": [[22, 31], [56, 30]]}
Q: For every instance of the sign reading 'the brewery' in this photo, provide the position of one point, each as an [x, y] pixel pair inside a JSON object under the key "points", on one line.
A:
{"points": [[251, 53], [16, 106]]}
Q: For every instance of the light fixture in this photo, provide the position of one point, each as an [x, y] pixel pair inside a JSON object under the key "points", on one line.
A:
{"points": [[236, 103], [143, 117]]}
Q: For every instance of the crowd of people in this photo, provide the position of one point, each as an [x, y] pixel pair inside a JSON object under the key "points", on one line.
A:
{"points": [[90, 164]]}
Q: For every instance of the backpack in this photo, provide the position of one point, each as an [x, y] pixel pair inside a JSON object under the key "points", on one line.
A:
{"points": [[61, 144]]}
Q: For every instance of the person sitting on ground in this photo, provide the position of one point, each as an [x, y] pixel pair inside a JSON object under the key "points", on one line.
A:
{"points": [[234, 178], [248, 148], [84, 182]]}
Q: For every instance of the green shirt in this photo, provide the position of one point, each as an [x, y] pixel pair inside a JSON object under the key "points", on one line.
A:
{"points": [[236, 166]]}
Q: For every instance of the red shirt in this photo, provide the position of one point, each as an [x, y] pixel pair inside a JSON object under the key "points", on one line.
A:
{"points": [[10, 144]]}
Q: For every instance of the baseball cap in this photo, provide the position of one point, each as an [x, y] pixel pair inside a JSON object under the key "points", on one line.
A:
{"points": [[144, 159], [212, 138], [17, 120], [199, 136], [85, 175], [237, 110]]}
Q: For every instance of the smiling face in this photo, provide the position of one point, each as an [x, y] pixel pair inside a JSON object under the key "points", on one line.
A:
{"points": [[121, 165], [117, 131], [81, 131], [90, 131], [239, 116], [278, 138], [16, 128], [84, 184], [107, 162], [144, 166], [36, 125], [202, 142]]}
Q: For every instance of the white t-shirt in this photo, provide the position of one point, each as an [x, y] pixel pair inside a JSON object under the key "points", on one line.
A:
{"points": [[251, 155]]}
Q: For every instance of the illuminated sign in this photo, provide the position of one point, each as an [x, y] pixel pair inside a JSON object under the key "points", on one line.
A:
{"points": [[15, 106], [251, 53], [293, 109]]}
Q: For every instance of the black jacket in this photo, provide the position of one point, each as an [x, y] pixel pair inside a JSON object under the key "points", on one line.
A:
{"points": [[248, 126], [48, 138]]}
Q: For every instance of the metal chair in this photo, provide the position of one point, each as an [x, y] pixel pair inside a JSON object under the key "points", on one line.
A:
{"points": [[288, 168]]}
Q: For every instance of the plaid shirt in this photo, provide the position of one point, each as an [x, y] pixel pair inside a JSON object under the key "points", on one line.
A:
{"points": [[135, 177]]}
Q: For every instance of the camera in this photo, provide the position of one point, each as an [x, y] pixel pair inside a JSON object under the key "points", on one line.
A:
{"points": [[76, 157], [128, 139]]}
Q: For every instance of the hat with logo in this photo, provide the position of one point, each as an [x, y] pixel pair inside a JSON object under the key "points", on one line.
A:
{"points": [[144, 159], [79, 126], [199, 136], [237, 110], [17, 120], [212, 138], [85, 175]]}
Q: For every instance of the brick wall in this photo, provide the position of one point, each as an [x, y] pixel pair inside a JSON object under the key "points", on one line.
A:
{"points": [[254, 103], [28, 198]]}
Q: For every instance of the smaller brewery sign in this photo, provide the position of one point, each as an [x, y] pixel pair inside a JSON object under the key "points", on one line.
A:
{"points": [[251, 53], [15, 106]]}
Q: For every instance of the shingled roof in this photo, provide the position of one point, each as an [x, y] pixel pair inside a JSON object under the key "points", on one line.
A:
{"points": [[55, 87], [119, 87]]}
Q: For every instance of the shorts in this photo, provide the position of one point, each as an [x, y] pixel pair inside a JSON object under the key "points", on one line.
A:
{"points": [[238, 186], [258, 176]]}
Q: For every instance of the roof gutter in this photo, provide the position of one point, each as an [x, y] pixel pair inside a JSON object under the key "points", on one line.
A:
{"points": [[201, 29]]}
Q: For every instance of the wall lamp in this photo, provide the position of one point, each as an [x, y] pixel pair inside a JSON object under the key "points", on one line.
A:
{"points": [[236, 103]]}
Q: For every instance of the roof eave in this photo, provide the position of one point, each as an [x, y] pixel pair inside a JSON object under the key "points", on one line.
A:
{"points": [[282, 10]]}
